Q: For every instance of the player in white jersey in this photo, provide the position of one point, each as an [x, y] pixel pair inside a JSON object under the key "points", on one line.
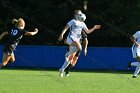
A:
{"points": [[76, 26], [135, 52], [74, 56]]}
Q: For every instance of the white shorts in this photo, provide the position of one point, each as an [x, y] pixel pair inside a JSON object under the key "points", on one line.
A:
{"points": [[70, 40], [136, 51]]}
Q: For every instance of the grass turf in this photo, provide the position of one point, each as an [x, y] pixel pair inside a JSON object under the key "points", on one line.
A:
{"points": [[39, 81]]}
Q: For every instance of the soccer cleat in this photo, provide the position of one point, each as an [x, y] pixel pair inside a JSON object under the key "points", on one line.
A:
{"points": [[67, 75], [134, 77], [129, 65]]}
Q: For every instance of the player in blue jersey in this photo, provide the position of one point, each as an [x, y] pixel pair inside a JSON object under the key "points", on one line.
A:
{"points": [[15, 35]]}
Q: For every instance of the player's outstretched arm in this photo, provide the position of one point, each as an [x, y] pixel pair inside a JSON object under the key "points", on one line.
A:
{"points": [[3, 34], [32, 33], [88, 31], [63, 32], [134, 40]]}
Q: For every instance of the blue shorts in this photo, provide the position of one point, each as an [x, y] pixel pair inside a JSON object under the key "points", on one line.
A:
{"points": [[8, 49]]}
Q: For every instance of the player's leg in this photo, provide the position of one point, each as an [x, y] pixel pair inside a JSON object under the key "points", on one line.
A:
{"points": [[66, 63], [7, 55], [12, 59], [77, 46], [132, 64], [136, 54], [5, 59], [136, 72], [137, 64], [71, 65], [68, 69], [76, 58], [70, 59], [137, 68], [73, 62]]}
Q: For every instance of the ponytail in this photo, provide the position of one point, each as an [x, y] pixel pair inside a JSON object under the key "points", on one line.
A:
{"points": [[14, 21], [18, 22]]}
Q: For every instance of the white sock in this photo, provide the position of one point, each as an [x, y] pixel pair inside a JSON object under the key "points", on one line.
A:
{"points": [[135, 64], [136, 71], [72, 50], [66, 63]]}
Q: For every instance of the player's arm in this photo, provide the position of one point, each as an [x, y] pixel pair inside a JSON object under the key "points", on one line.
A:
{"points": [[3, 34], [85, 44], [32, 33], [88, 31], [63, 32], [134, 40]]}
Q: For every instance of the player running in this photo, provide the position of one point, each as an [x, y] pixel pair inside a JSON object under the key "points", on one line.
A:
{"points": [[135, 52], [15, 35], [74, 57], [76, 26]]}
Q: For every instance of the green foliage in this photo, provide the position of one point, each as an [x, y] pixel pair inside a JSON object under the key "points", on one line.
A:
{"points": [[117, 17]]}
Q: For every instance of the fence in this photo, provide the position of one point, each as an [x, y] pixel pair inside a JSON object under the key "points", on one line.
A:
{"points": [[53, 57]]}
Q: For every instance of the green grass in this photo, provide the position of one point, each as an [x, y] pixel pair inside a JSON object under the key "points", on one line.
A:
{"points": [[36, 81]]}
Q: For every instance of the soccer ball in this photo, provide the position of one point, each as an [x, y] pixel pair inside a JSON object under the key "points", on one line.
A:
{"points": [[82, 17]]}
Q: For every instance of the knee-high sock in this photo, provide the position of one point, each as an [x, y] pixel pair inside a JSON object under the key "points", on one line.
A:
{"points": [[66, 63], [135, 64], [68, 68], [136, 71], [72, 50]]}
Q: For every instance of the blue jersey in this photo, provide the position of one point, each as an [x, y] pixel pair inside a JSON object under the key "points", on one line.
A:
{"points": [[15, 35]]}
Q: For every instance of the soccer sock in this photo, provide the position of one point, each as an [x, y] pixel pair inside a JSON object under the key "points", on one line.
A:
{"points": [[135, 64], [72, 50], [68, 68], [66, 63], [136, 71]]}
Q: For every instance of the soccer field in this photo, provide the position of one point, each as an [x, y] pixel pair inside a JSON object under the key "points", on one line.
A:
{"points": [[47, 81]]}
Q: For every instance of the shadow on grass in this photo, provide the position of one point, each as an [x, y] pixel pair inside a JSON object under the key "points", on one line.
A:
{"points": [[73, 70]]}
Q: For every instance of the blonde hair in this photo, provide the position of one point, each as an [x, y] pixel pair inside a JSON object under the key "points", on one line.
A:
{"points": [[18, 22], [14, 21], [77, 11]]}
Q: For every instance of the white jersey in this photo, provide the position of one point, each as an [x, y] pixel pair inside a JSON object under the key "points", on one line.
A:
{"points": [[76, 28], [136, 49]]}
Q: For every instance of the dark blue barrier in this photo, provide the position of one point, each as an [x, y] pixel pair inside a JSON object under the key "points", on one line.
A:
{"points": [[53, 57]]}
